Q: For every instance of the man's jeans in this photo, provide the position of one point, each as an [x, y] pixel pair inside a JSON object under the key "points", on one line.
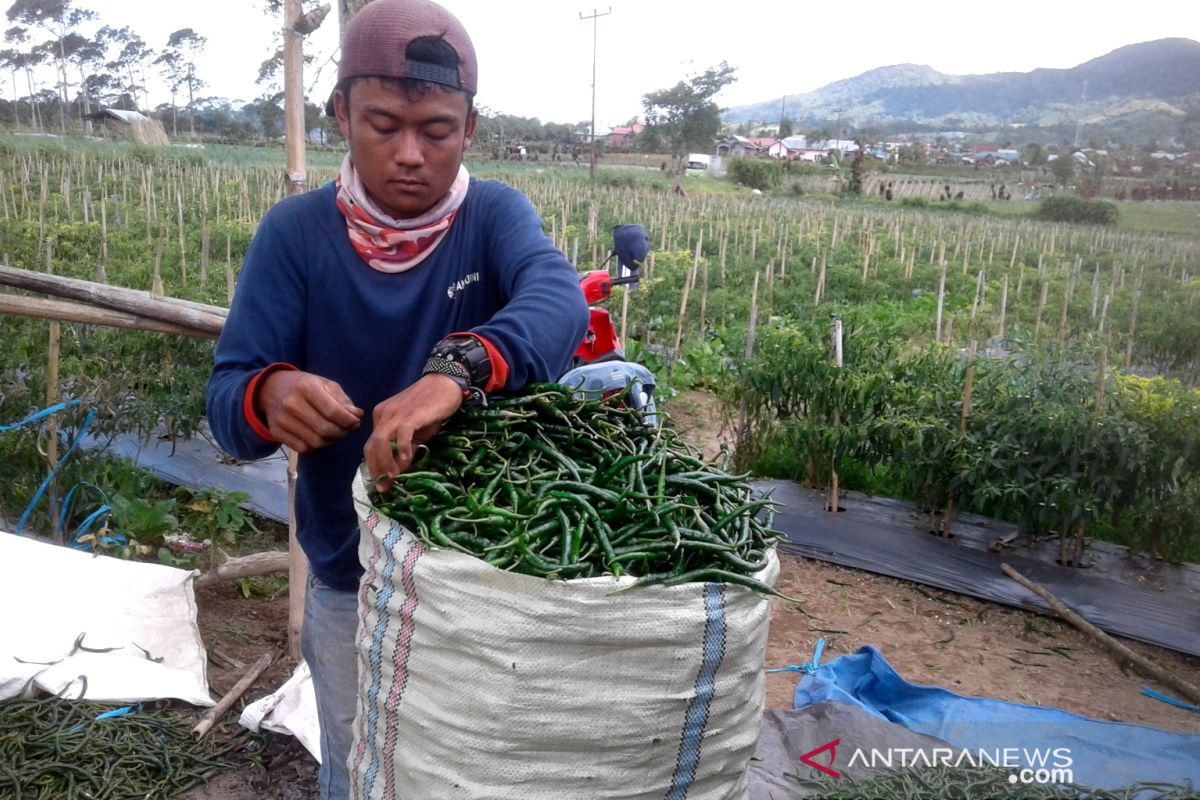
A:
{"points": [[327, 644]]}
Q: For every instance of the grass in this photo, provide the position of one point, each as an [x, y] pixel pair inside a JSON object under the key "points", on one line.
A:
{"points": [[1180, 219]]}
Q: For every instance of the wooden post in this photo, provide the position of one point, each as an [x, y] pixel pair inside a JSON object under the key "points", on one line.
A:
{"points": [[687, 285], [820, 282], [744, 414], [941, 302], [52, 397], [1037, 325], [229, 282], [1003, 307], [102, 268], [968, 387], [182, 245], [296, 181], [1133, 317], [1062, 320], [832, 500]]}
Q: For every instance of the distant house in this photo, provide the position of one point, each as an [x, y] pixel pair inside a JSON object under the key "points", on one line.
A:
{"points": [[132, 125], [623, 136], [840, 147], [810, 155], [738, 146], [788, 148], [583, 136]]}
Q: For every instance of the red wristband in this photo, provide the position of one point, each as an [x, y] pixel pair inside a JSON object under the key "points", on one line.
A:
{"points": [[249, 404]]}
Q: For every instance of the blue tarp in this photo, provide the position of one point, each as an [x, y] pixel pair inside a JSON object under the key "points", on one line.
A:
{"points": [[1106, 755]]}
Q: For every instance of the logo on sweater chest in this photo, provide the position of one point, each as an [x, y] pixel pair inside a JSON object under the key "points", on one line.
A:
{"points": [[454, 289]]}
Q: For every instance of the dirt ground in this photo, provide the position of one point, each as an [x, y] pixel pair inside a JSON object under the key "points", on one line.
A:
{"points": [[929, 636]]}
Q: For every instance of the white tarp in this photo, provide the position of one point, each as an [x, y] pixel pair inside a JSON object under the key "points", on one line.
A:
{"points": [[291, 709], [96, 627]]}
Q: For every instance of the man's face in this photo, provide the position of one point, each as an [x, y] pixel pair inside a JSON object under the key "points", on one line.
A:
{"points": [[406, 147]]}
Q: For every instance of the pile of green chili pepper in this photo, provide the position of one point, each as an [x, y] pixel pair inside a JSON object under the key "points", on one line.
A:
{"points": [[54, 749], [548, 485]]}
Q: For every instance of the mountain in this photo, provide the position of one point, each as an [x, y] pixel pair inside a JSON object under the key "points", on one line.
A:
{"points": [[1149, 77]]}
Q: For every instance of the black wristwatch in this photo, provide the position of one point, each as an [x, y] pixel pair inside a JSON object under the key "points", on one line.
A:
{"points": [[465, 361]]}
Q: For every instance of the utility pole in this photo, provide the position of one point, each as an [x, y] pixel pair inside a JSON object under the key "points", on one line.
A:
{"points": [[595, 15]]}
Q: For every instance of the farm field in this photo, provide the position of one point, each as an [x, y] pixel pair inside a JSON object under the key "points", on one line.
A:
{"points": [[969, 647], [959, 329], [966, 357]]}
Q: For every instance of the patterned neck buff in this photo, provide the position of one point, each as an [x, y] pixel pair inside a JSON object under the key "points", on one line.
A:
{"points": [[394, 245]]}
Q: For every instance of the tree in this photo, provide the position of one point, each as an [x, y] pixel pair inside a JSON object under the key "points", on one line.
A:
{"points": [[85, 54], [130, 61], [684, 116], [26, 61], [785, 127], [184, 45], [1063, 168], [13, 60], [1034, 154], [170, 66], [58, 18]]}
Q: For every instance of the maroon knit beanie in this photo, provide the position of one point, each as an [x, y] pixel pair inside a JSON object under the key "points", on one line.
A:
{"points": [[377, 39]]}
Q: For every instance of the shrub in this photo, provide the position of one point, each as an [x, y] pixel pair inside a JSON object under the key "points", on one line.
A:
{"points": [[1068, 208], [753, 172]]}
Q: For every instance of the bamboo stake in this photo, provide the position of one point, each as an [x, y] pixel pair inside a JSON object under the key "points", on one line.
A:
{"points": [[1123, 654], [102, 267], [744, 414], [297, 563], [156, 284], [216, 712], [831, 504], [1133, 317], [820, 282], [204, 243], [941, 302], [687, 285], [52, 397], [1003, 306], [1037, 326], [229, 282], [1062, 320]]}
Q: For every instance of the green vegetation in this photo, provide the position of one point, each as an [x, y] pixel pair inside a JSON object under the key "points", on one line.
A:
{"points": [[1068, 208], [1059, 300]]}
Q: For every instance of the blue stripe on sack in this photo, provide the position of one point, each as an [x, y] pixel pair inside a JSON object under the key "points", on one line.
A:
{"points": [[696, 717], [375, 654]]}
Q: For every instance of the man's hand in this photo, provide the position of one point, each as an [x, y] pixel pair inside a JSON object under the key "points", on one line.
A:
{"points": [[304, 411], [407, 420]]}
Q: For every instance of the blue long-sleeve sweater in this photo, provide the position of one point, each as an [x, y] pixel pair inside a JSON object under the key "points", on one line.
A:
{"points": [[306, 298]]}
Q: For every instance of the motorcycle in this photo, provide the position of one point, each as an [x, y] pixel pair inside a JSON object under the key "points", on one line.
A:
{"points": [[600, 369]]}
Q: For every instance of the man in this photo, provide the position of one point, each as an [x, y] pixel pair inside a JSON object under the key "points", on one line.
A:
{"points": [[369, 309]]}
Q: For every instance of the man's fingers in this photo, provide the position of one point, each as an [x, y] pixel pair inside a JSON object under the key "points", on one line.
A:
{"points": [[337, 406], [381, 461]]}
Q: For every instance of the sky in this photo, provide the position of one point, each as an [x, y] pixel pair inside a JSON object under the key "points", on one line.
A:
{"points": [[535, 56]]}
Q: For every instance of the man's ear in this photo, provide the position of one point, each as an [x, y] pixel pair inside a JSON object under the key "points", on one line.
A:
{"points": [[341, 110], [469, 132]]}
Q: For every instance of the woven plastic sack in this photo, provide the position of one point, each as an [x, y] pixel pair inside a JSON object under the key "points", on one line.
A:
{"points": [[479, 683]]}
